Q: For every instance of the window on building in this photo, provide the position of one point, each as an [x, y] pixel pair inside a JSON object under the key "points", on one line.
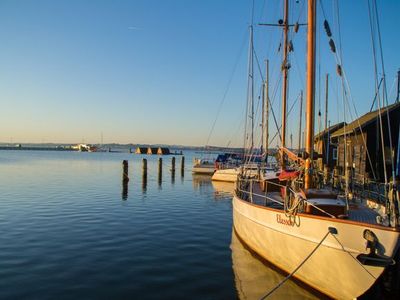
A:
{"points": [[334, 153]]}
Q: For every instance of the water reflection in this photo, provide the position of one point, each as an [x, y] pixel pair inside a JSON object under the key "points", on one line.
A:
{"points": [[223, 189], [124, 189], [254, 278], [159, 179], [201, 181], [144, 183]]}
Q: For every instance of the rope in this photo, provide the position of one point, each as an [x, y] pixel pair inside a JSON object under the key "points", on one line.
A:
{"points": [[384, 86], [295, 270]]}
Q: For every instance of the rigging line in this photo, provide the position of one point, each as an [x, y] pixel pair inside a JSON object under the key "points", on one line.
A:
{"points": [[297, 268], [345, 81], [300, 74], [262, 10], [274, 94], [362, 136], [287, 115], [301, 11], [392, 88], [272, 110], [227, 87], [345, 84], [385, 89], [376, 95], [370, 14], [340, 57]]}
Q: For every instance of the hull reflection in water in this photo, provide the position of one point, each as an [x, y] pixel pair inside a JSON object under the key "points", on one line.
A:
{"points": [[253, 278], [223, 189]]}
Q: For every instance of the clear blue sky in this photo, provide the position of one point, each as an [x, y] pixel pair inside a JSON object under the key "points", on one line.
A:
{"points": [[156, 71]]}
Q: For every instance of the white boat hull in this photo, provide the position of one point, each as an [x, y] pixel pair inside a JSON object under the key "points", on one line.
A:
{"points": [[333, 269], [203, 170], [227, 175]]}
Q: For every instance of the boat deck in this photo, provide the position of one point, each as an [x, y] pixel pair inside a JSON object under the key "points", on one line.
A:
{"points": [[363, 214], [357, 212]]}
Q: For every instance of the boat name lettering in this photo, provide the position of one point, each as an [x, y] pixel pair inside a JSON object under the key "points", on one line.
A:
{"points": [[285, 221]]}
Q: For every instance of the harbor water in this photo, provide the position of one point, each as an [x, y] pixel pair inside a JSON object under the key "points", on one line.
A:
{"points": [[68, 232]]}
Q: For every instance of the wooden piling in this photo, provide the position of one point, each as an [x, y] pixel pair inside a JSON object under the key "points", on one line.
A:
{"points": [[182, 166], [125, 176], [159, 170], [173, 170], [144, 174], [125, 179]]}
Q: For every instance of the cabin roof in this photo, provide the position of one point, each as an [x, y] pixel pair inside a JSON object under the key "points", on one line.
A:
{"points": [[330, 129], [364, 120]]}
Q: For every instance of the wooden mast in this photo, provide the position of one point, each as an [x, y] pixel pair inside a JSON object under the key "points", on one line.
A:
{"points": [[310, 93], [266, 95], [398, 86], [252, 85], [285, 76]]}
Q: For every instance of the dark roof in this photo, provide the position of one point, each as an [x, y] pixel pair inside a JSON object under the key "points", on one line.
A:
{"points": [[330, 129], [364, 120]]}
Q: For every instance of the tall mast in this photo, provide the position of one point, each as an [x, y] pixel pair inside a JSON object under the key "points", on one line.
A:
{"points": [[300, 118], [252, 86], [262, 117], [326, 100], [310, 93], [285, 75], [398, 86], [250, 93], [266, 95]]}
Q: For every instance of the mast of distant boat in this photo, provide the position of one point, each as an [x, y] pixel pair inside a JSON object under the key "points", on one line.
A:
{"points": [[310, 93], [266, 103], [300, 118]]}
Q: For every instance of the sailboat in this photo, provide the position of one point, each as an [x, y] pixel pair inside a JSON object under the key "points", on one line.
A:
{"points": [[255, 165], [338, 249]]}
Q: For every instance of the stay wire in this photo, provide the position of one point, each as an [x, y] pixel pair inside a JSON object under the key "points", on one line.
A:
{"points": [[227, 88]]}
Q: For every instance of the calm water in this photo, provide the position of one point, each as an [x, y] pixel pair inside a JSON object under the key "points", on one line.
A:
{"points": [[66, 232]]}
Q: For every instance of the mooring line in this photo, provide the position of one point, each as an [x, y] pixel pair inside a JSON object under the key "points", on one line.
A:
{"points": [[295, 270]]}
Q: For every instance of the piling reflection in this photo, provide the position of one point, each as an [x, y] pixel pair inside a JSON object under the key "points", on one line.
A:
{"points": [[200, 181], [254, 278], [124, 190], [144, 183]]}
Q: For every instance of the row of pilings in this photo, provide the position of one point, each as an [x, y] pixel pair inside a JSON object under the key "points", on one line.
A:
{"points": [[125, 176]]}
